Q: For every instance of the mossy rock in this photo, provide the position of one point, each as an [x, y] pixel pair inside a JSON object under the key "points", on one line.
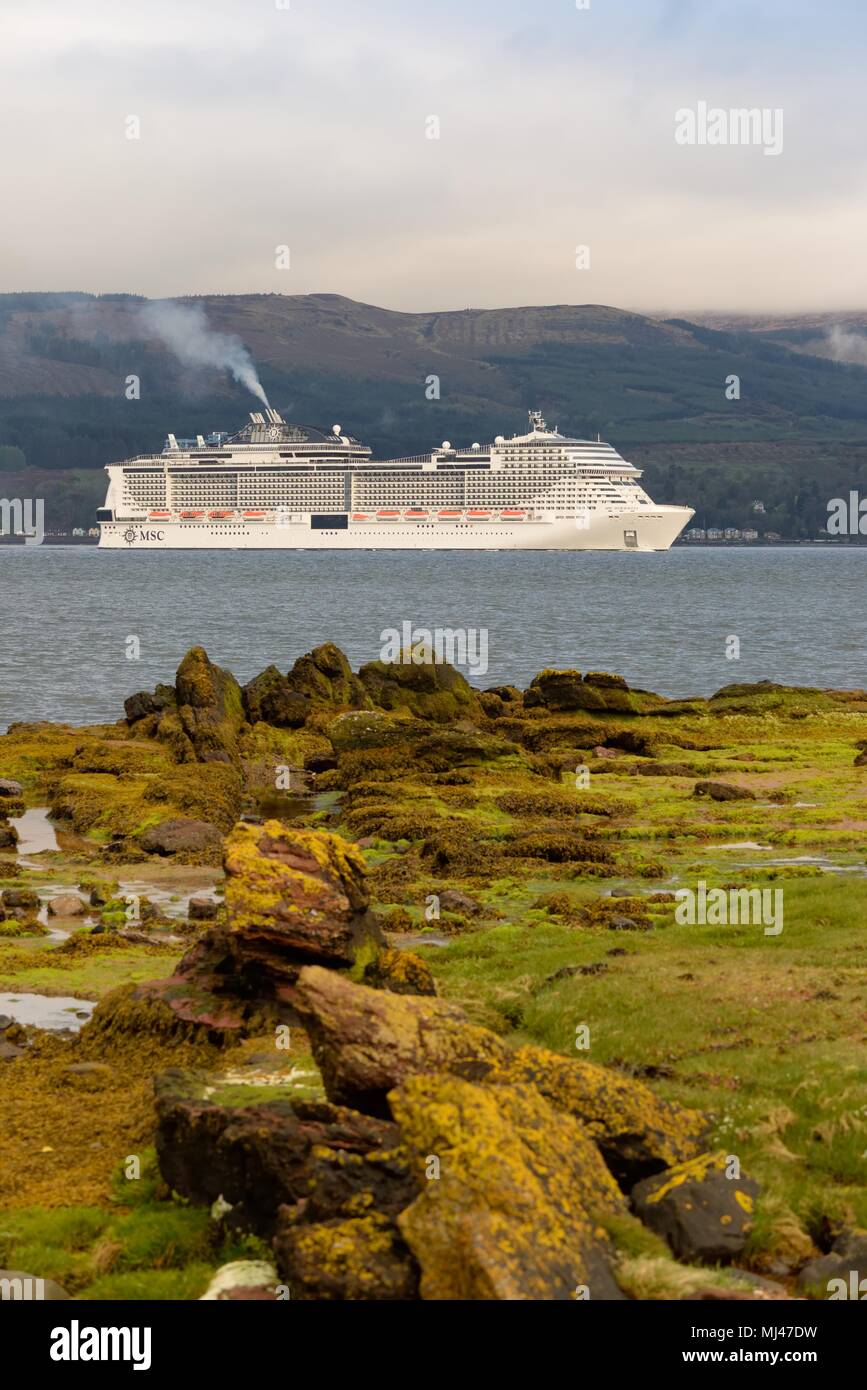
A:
{"points": [[509, 1191], [421, 685], [270, 698]]}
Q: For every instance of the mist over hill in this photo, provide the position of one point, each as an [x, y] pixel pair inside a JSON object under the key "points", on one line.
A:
{"points": [[656, 387]]}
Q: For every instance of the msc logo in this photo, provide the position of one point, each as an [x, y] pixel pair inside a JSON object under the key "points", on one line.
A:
{"points": [[131, 535]]}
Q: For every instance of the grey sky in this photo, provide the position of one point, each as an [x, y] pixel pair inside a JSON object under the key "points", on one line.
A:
{"points": [[306, 126]]}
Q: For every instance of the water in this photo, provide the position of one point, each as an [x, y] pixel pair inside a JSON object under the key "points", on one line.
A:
{"points": [[660, 620], [56, 1012]]}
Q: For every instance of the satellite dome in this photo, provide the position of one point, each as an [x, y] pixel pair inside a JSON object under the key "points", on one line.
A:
{"points": [[446, 444]]}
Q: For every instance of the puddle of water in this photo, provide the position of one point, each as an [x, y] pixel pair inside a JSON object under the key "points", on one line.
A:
{"points": [[35, 832], [54, 1012], [741, 844], [423, 939], [171, 904]]}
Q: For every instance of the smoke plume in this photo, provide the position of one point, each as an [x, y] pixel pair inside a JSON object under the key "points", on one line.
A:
{"points": [[848, 347], [185, 331]]}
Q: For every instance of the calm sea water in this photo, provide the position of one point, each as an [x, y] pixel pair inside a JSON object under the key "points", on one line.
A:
{"points": [[660, 620]]}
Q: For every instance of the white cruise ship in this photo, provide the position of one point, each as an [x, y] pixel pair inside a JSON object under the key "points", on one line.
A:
{"points": [[276, 486]]}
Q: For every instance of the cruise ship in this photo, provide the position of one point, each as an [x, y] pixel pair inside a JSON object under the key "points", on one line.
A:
{"points": [[277, 486]]}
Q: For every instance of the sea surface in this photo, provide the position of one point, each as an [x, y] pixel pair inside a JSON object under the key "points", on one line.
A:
{"points": [[662, 620]]}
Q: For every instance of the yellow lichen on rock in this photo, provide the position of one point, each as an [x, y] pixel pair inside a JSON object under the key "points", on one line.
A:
{"points": [[510, 1191]]}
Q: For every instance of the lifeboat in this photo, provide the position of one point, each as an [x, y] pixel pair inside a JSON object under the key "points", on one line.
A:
{"points": [[447, 514], [159, 513], [477, 514], [512, 512], [414, 513], [360, 516], [254, 513], [387, 516], [191, 516], [219, 516]]}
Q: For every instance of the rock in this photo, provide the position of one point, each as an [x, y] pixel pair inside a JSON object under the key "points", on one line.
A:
{"points": [[508, 1191], [295, 896], [722, 791], [617, 922], [8, 788], [605, 680], [861, 760], [637, 1131], [363, 1258], [201, 909], [453, 900], [9, 1051], [366, 1042], [242, 1280], [564, 690], [842, 1273], [258, 1157], [325, 677], [704, 1215], [24, 898], [5, 1022], [8, 835], [181, 836], [144, 703], [270, 698], [15, 1284], [67, 905], [600, 752], [209, 707], [402, 972], [371, 729], [418, 683]]}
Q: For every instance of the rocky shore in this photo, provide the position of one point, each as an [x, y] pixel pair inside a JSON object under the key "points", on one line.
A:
{"points": [[392, 1000]]}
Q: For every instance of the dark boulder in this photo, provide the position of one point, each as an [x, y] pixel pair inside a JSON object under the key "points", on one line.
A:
{"points": [[842, 1273], [704, 1215], [722, 791], [270, 698], [180, 836]]}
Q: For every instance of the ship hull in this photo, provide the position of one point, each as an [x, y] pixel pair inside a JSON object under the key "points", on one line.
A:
{"points": [[657, 529]]}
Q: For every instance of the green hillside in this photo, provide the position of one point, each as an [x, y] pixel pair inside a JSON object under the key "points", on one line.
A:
{"points": [[656, 388]]}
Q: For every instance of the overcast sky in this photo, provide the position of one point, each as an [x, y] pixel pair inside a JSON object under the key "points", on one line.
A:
{"points": [[307, 126]]}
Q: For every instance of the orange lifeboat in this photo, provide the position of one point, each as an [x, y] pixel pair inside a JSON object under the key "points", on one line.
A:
{"points": [[219, 516], [512, 512], [191, 516], [254, 513], [388, 516], [413, 513], [477, 514], [360, 516], [159, 513], [446, 513]]}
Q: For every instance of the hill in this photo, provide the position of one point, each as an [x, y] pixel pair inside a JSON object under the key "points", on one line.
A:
{"points": [[656, 387]]}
